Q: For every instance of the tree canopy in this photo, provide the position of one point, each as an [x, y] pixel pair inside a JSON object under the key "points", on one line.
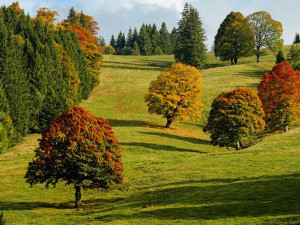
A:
{"points": [[234, 39], [80, 149], [176, 94], [189, 46], [234, 116], [279, 92], [267, 32]]}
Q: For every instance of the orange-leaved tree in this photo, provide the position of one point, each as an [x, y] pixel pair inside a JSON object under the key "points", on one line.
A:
{"points": [[176, 94], [80, 149], [234, 116], [279, 92]]}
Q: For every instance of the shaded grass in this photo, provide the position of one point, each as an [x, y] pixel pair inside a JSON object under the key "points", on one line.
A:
{"points": [[172, 176]]}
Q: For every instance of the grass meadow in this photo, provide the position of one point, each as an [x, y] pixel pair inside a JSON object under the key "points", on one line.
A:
{"points": [[172, 176]]}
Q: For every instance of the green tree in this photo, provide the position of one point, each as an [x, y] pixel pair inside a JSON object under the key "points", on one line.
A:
{"points": [[234, 116], [234, 39], [190, 48], [72, 16], [267, 32], [145, 43], [80, 149], [173, 38], [176, 94], [294, 55], [154, 36], [280, 57], [129, 40], [165, 39], [113, 42], [297, 39], [121, 41]]}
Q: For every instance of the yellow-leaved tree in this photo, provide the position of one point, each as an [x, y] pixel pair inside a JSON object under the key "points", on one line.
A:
{"points": [[176, 94]]}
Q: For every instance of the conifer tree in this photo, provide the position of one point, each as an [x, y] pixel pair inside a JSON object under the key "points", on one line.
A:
{"points": [[164, 39], [145, 43], [190, 48], [72, 16], [154, 36], [297, 39], [113, 42], [129, 40]]}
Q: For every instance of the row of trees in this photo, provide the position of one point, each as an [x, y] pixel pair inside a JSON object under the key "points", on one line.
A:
{"points": [[239, 37], [44, 70], [148, 41], [236, 115]]}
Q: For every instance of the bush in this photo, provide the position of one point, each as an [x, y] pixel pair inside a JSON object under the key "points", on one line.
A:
{"points": [[2, 220], [109, 50], [126, 51]]}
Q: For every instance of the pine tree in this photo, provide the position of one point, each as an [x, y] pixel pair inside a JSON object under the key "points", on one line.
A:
{"points": [[145, 43], [165, 39], [173, 38], [190, 48], [279, 57], [154, 36], [72, 16], [135, 36], [113, 41], [129, 40], [297, 38]]}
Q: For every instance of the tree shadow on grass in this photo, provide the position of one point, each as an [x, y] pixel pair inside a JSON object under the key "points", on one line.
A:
{"points": [[254, 197], [34, 205], [144, 65], [181, 138], [159, 147], [252, 74], [133, 123]]}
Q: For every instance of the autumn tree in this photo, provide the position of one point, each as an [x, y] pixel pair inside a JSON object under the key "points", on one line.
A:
{"points": [[234, 116], [234, 39], [190, 48], [279, 92], [80, 149], [176, 94], [46, 15], [267, 32]]}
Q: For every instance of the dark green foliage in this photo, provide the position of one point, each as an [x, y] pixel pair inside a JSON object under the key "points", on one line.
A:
{"points": [[234, 39], [297, 39], [129, 40], [165, 39], [190, 48], [279, 57], [173, 37], [39, 71], [113, 42], [121, 41], [72, 17], [155, 39], [102, 42], [145, 42]]}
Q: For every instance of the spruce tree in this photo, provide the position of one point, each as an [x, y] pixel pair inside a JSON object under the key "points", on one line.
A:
{"points": [[279, 57], [297, 38], [164, 39], [190, 48], [173, 38], [145, 43], [113, 41], [129, 40], [154, 36], [72, 16]]}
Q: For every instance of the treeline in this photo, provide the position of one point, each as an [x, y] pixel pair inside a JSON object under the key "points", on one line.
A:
{"points": [[44, 70], [148, 41]]}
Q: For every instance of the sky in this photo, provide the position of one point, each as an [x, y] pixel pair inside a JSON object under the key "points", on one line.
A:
{"points": [[114, 16]]}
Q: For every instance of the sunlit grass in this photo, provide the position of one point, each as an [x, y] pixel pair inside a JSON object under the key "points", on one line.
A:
{"points": [[172, 176]]}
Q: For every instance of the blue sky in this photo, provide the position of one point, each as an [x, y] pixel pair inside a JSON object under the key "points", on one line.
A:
{"points": [[114, 16]]}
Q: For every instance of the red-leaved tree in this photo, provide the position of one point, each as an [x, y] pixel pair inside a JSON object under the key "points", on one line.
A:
{"points": [[279, 92], [80, 149]]}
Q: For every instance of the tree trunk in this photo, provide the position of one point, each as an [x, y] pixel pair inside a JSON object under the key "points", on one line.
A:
{"points": [[77, 197], [257, 54], [235, 61], [169, 121], [231, 61], [238, 145], [286, 128]]}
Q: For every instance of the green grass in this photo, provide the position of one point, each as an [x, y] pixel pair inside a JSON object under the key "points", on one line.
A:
{"points": [[172, 176]]}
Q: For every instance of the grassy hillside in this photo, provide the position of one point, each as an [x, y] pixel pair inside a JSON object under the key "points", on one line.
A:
{"points": [[172, 176]]}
